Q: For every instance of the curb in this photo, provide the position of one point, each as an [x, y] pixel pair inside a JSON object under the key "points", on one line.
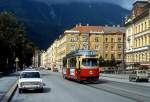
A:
{"points": [[114, 77], [7, 97], [1, 74]]}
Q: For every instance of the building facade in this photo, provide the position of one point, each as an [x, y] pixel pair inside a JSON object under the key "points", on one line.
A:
{"points": [[137, 26], [107, 42], [36, 60]]}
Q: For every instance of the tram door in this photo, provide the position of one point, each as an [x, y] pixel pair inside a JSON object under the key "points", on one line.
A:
{"points": [[72, 63], [64, 69]]}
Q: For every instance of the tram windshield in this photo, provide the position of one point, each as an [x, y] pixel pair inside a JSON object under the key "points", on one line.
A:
{"points": [[90, 62]]}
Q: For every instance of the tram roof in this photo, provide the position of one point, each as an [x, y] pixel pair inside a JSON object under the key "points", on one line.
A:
{"points": [[82, 53]]}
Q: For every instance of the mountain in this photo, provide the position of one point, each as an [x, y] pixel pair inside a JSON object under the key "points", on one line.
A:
{"points": [[45, 22]]}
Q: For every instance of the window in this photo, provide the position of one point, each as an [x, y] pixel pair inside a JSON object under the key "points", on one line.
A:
{"points": [[106, 39], [145, 25], [89, 62], [112, 40], [73, 62], [119, 56], [119, 39], [112, 47], [139, 29], [142, 27], [106, 47], [119, 46], [30, 75], [112, 56], [145, 40], [106, 55], [142, 41], [135, 29]]}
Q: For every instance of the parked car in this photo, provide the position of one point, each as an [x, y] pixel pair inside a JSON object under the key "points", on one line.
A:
{"points": [[30, 80], [28, 69], [139, 75]]}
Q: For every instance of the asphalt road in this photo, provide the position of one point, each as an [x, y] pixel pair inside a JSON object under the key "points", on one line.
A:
{"points": [[58, 89]]}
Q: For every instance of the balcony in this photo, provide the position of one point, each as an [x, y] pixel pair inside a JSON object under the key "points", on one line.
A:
{"points": [[129, 50], [142, 33], [141, 49]]}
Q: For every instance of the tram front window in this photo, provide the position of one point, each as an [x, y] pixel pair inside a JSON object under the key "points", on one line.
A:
{"points": [[89, 62]]}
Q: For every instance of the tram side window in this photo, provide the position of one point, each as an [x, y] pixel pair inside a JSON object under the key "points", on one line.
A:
{"points": [[72, 62]]}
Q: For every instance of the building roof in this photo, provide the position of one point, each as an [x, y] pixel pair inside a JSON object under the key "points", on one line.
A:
{"points": [[113, 29], [87, 29], [98, 29], [144, 7], [141, 2]]}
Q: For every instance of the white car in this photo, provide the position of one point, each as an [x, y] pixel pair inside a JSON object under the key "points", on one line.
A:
{"points": [[30, 80], [139, 75]]}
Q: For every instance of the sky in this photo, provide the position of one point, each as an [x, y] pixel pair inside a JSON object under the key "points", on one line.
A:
{"points": [[124, 3]]}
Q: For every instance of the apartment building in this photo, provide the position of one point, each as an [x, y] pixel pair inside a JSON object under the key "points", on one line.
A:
{"points": [[106, 41], [137, 26]]}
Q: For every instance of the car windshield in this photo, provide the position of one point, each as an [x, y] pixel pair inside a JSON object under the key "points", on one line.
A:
{"points": [[30, 75], [90, 62]]}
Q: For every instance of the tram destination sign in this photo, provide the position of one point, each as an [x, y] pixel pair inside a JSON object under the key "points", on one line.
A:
{"points": [[85, 53]]}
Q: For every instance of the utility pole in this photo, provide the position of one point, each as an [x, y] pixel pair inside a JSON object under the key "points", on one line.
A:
{"points": [[149, 33], [123, 68]]}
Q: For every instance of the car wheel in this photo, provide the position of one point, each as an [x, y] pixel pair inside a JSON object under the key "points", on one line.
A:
{"points": [[20, 91], [137, 80], [146, 80], [41, 90], [130, 79]]}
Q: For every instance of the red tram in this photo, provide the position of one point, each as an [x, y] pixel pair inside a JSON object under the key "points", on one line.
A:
{"points": [[81, 65]]}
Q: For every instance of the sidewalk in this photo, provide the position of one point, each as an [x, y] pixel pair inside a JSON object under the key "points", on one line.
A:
{"points": [[123, 78], [6, 83]]}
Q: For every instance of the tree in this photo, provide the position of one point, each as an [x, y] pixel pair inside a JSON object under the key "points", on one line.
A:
{"points": [[13, 41], [101, 61], [113, 62]]}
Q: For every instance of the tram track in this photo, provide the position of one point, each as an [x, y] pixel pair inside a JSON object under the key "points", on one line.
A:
{"points": [[105, 86], [121, 92]]}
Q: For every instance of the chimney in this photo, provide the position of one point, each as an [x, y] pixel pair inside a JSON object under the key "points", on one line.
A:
{"points": [[106, 25], [118, 25], [80, 25], [76, 25]]}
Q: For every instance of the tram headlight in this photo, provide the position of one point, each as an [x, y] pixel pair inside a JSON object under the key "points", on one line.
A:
{"points": [[90, 72]]}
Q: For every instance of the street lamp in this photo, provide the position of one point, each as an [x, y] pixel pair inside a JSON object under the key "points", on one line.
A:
{"points": [[16, 60]]}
